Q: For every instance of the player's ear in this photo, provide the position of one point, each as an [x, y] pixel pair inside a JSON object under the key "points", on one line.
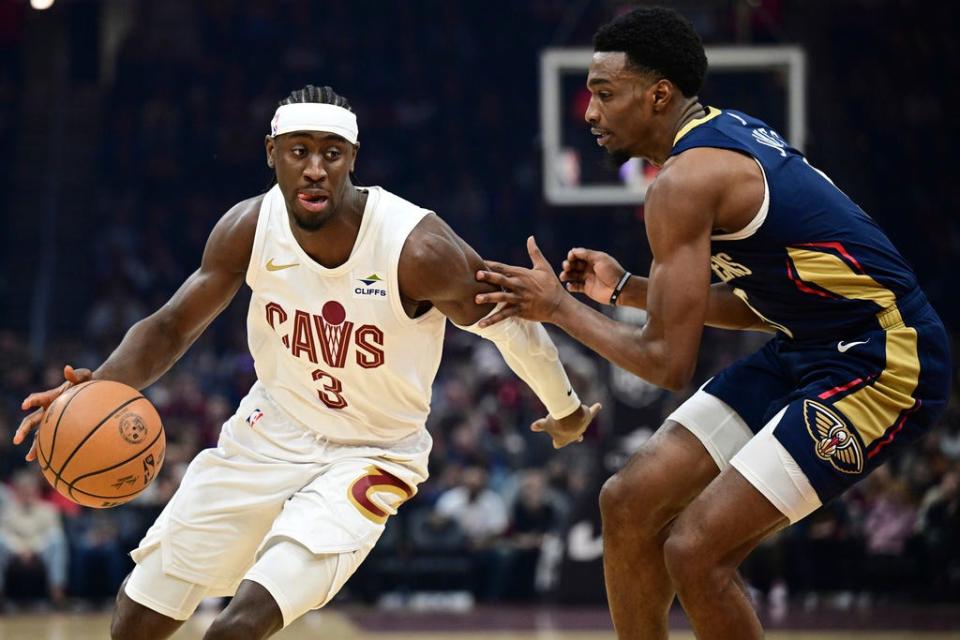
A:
{"points": [[270, 146], [356, 152], [662, 92]]}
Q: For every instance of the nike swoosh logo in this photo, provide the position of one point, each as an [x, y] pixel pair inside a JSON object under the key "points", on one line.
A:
{"points": [[279, 267], [843, 347], [570, 391]]}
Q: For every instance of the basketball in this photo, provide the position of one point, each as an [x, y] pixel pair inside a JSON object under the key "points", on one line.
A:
{"points": [[100, 443]]}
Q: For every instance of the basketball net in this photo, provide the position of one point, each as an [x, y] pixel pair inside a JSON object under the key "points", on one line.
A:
{"points": [[333, 334]]}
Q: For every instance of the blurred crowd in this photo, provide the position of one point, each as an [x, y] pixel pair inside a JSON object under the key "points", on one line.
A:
{"points": [[448, 117]]}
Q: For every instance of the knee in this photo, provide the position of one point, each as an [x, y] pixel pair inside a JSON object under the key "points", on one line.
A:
{"points": [[627, 502], [125, 627], [689, 562], [234, 624]]}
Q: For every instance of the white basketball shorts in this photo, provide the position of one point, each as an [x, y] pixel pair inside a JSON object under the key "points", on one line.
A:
{"points": [[268, 481]]}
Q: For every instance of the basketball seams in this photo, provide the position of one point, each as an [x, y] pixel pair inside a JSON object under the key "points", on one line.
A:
{"points": [[100, 497], [119, 464], [112, 413], [53, 439]]}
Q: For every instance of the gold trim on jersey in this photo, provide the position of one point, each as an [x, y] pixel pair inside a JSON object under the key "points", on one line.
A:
{"points": [[712, 112], [874, 408]]}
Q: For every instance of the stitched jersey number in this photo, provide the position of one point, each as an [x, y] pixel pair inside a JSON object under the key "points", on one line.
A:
{"points": [[332, 392]]}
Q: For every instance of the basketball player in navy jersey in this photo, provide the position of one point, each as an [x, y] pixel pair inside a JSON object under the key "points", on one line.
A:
{"points": [[351, 290], [858, 369]]}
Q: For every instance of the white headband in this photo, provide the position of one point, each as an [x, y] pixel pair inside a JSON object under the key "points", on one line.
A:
{"points": [[314, 116]]}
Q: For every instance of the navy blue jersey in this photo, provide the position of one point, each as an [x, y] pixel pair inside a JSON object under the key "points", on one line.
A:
{"points": [[812, 263], [861, 365]]}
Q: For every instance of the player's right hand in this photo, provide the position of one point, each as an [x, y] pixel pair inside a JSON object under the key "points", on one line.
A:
{"points": [[570, 429], [41, 400], [591, 272]]}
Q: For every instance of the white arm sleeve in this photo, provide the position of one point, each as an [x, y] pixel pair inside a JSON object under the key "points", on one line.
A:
{"points": [[529, 351]]}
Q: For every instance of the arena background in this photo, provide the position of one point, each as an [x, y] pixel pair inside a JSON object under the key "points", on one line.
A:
{"points": [[131, 126]]}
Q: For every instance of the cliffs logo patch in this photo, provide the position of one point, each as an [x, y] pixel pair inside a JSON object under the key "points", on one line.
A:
{"points": [[834, 441], [372, 285]]}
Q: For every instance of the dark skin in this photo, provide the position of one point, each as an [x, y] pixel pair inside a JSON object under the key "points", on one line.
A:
{"points": [[673, 524], [312, 168]]}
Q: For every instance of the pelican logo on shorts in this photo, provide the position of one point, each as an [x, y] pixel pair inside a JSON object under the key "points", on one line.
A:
{"points": [[370, 286], [132, 428], [835, 442], [254, 417], [377, 494]]}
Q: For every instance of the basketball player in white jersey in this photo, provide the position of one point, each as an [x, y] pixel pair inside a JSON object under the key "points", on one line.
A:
{"points": [[351, 292]]}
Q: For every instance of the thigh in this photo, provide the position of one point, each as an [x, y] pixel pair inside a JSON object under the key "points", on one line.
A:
{"points": [[345, 508], [734, 405], [838, 433], [299, 580], [727, 520], [662, 477], [152, 604], [754, 387], [226, 503]]}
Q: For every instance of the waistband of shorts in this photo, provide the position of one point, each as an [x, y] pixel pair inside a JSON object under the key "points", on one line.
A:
{"points": [[904, 311]]}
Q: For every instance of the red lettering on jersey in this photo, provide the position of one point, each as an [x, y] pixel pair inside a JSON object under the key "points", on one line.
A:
{"points": [[303, 337], [370, 354], [332, 392], [334, 340], [276, 313]]}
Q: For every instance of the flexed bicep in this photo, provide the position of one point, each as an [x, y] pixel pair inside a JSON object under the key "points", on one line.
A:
{"points": [[439, 267], [678, 226]]}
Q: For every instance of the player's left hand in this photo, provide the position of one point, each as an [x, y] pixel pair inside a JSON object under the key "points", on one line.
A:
{"points": [[569, 429], [531, 294]]}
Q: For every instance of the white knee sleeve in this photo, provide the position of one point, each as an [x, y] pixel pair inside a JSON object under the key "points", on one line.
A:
{"points": [[300, 580]]}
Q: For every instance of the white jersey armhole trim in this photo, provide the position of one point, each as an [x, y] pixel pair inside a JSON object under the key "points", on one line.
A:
{"points": [[393, 276], [758, 219], [259, 238]]}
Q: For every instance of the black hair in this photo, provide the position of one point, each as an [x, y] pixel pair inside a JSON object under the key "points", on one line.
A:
{"points": [[660, 41], [323, 95]]}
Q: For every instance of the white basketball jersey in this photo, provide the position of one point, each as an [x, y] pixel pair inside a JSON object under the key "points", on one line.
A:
{"points": [[334, 347]]}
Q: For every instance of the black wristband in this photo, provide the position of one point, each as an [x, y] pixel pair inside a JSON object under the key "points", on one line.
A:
{"points": [[617, 290]]}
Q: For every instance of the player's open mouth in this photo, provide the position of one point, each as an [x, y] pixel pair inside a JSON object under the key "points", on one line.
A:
{"points": [[603, 136], [314, 202]]}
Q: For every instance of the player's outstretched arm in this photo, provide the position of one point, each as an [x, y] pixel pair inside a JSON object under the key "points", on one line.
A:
{"points": [[154, 344], [596, 274], [437, 266], [664, 351]]}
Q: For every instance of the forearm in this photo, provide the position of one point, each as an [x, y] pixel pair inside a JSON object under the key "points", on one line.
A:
{"points": [[724, 309], [530, 353], [147, 351], [622, 344]]}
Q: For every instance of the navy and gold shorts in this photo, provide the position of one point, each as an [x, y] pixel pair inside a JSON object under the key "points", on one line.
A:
{"points": [[848, 405]]}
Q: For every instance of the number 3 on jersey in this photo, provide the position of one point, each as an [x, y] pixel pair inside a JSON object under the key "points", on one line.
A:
{"points": [[332, 392]]}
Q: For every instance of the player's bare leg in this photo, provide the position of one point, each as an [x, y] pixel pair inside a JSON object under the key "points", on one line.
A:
{"points": [[133, 621], [252, 614], [638, 504], [706, 545]]}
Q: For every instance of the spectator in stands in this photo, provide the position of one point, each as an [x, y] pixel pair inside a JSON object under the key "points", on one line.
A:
{"points": [[532, 517], [482, 517], [32, 543]]}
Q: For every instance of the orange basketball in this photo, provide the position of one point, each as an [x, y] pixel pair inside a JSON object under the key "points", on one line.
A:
{"points": [[100, 443]]}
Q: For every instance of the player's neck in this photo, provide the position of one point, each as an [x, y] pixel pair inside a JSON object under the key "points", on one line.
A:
{"points": [[331, 245], [691, 110]]}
